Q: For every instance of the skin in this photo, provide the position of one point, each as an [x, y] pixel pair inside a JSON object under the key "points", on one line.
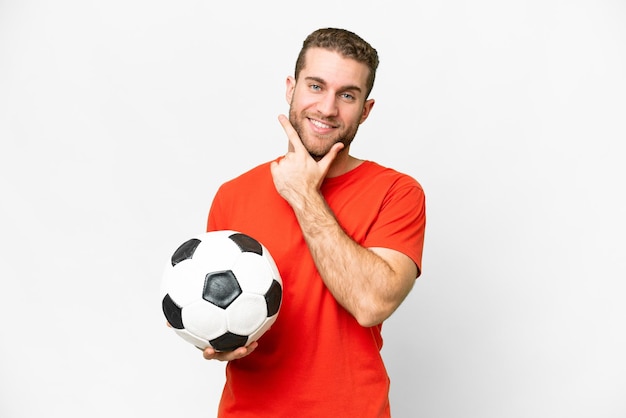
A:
{"points": [[327, 105]]}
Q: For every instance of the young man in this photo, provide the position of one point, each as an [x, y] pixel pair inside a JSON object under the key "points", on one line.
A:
{"points": [[347, 236]]}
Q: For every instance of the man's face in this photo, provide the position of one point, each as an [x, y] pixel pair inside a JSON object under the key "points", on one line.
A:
{"points": [[327, 104]]}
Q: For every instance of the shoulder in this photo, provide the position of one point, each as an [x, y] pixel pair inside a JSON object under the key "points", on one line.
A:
{"points": [[249, 178], [388, 177], [259, 170]]}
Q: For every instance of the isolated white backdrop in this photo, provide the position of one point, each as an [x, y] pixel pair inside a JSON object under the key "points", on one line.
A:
{"points": [[119, 120]]}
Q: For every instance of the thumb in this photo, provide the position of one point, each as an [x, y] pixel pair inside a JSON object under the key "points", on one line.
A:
{"points": [[328, 159]]}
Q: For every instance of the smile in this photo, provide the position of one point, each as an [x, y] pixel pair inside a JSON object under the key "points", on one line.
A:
{"points": [[320, 125]]}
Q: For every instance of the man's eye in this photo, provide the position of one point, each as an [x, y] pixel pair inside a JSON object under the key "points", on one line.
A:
{"points": [[315, 87], [347, 96]]}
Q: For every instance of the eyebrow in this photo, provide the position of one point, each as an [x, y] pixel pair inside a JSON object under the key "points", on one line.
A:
{"points": [[343, 88]]}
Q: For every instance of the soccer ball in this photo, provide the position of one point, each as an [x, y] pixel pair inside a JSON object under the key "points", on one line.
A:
{"points": [[221, 289]]}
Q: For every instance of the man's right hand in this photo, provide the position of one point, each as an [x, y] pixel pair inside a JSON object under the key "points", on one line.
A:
{"points": [[210, 354]]}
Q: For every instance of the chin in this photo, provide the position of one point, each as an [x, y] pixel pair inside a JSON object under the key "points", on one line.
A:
{"points": [[315, 156]]}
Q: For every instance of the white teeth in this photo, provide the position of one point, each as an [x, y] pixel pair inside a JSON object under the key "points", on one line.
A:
{"points": [[320, 124]]}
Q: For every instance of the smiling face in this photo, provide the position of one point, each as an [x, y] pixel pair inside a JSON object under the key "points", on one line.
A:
{"points": [[328, 101]]}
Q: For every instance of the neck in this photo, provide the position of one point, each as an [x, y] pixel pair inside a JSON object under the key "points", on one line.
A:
{"points": [[342, 164]]}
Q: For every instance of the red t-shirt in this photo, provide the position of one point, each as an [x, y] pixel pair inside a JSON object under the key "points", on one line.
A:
{"points": [[316, 360]]}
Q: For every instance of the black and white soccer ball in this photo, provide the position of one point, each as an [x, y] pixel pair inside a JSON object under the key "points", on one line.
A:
{"points": [[221, 289]]}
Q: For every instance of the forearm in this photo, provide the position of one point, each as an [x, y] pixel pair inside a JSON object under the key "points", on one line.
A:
{"points": [[362, 281], [368, 283]]}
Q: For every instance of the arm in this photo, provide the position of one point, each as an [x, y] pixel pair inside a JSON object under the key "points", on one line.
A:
{"points": [[369, 283]]}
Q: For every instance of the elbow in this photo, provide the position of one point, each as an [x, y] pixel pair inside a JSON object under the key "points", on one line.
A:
{"points": [[369, 317], [368, 321], [371, 311]]}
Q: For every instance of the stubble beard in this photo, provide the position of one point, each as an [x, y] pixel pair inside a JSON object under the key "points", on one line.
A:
{"points": [[318, 154]]}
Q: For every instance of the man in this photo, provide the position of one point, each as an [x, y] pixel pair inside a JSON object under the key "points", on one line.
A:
{"points": [[347, 236]]}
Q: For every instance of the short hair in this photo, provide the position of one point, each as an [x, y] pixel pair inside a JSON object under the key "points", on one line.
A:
{"points": [[346, 43]]}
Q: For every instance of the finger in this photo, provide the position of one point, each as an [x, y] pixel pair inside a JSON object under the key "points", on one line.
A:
{"points": [[292, 135], [241, 352], [330, 156], [251, 347], [210, 354]]}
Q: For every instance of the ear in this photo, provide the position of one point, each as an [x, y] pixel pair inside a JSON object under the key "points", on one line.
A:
{"points": [[367, 108], [290, 87]]}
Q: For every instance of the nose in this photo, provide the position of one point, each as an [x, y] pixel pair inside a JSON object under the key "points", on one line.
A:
{"points": [[327, 105]]}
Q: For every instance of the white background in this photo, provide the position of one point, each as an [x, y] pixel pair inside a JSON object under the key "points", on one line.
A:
{"points": [[119, 119]]}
